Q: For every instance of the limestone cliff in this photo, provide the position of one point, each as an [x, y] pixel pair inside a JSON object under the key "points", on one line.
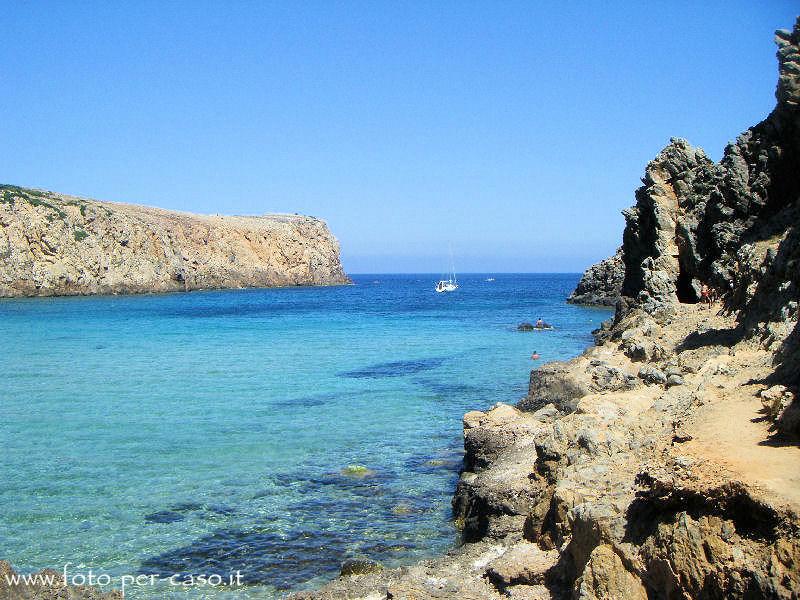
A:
{"points": [[52, 244]]}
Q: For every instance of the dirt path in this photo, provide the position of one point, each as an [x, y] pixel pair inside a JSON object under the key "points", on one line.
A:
{"points": [[730, 429], [731, 433]]}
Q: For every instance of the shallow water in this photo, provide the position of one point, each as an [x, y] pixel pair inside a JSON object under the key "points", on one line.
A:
{"points": [[206, 432]]}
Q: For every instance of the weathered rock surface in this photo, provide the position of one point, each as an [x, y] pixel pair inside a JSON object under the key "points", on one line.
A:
{"points": [[601, 284], [555, 383], [732, 225], [524, 563], [605, 578], [658, 464], [52, 244]]}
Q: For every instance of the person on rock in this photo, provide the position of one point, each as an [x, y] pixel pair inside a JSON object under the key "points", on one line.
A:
{"points": [[705, 295]]}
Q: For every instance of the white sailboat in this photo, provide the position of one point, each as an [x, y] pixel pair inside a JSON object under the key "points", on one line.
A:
{"points": [[447, 285], [451, 283]]}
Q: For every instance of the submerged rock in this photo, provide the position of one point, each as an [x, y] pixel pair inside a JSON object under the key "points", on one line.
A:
{"points": [[359, 566], [164, 516], [357, 471], [402, 509]]}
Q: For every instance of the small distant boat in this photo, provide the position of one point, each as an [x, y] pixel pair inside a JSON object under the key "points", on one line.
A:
{"points": [[451, 283], [447, 285], [490, 279], [526, 326]]}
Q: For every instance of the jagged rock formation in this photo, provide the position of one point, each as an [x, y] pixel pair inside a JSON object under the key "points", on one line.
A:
{"points": [[659, 464], [601, 284], [52, 244], [732, 225], [698, 221]]}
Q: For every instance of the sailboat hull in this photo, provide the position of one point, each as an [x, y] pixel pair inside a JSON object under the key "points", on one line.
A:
{"points": [[446, 286]]}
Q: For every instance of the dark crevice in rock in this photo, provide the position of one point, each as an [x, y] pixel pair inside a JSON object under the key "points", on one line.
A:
{"points": [[660, 502], [685, 290]]}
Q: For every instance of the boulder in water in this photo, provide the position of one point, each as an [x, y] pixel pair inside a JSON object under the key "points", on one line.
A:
{"points": [[359, 566]]}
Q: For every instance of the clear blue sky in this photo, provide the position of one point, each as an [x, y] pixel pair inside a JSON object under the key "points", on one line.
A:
{"points": [[515, 131]]}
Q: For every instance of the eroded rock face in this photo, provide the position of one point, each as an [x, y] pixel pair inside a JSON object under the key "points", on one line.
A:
{"points": [[51, 245], [660, 228], [732, 225], [555, 383], [601, 284], [714, 541], [605, 577]]}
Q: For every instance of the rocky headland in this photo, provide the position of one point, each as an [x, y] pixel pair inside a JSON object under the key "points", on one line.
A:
{"points": [[55, 245], [663, 462], [601, 284]]}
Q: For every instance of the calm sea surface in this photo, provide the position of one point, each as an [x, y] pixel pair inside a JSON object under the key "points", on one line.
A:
{"points": [[207, 432]]}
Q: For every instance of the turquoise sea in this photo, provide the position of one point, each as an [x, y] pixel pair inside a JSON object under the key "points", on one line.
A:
{"points": [[207, 432]]}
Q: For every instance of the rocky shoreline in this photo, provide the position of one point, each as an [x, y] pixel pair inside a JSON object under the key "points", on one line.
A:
{"points": [[623, 487], [601, 284], [662, 462], [57, 245]]}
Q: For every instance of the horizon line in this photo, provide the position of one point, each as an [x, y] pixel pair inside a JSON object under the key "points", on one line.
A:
{"points": [[466, 273]]}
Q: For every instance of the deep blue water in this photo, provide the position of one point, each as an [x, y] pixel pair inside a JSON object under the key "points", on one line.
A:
{"points": [[207, 432]]}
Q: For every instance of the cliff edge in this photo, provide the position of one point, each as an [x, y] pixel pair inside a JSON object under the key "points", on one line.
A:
{"points": [[55, 245]]}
